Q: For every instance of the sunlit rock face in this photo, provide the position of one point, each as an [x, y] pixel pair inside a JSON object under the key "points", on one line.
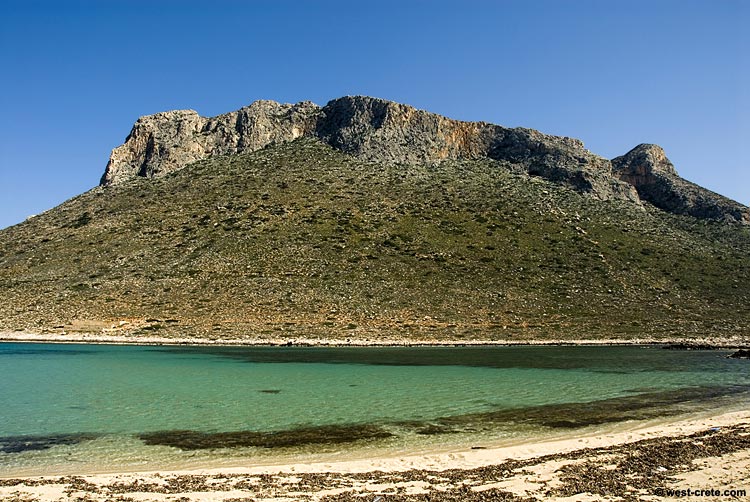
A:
{"points": [[648, 169], [165, 142], [384, 131]]}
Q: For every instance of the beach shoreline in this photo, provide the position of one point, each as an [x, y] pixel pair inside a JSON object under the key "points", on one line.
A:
{"points": [[526, 468], [710, 449]]}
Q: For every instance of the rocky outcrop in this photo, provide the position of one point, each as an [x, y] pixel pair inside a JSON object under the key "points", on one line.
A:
{"points": [[648, 169], [370, 128], [381, 130], [165, 142], [384, 131]]}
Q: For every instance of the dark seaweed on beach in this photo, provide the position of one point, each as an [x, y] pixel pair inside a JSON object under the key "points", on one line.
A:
{"points": [[629, 472]]}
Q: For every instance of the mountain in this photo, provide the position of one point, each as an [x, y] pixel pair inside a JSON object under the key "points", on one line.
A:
{"points": [[367, 219]]}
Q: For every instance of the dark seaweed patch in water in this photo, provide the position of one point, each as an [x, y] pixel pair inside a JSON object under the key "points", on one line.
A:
{"points": [[18, 444], [21, 349], [327, 434], [573, 415], [434, 429], [270, 391], [624, 360]]}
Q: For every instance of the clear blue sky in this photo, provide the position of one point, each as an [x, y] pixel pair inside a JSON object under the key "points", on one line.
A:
{"points": [[77, 74]]}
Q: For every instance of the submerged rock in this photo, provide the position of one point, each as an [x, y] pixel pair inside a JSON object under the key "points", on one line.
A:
{"points": [[741, 354], [689, 346]]}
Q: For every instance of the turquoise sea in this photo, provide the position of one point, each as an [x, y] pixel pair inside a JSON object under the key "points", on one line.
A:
{"points": [[67, 408]]}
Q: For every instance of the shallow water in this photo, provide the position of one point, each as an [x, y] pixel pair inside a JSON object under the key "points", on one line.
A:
{"points": [[68, 408]]}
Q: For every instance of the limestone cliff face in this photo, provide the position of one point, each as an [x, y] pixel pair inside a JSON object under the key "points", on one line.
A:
{"points": [[161, 143], [381, 130], [384, 131], [648, 169]]}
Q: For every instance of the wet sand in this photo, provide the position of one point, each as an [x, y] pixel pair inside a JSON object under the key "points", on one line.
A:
{"points": [[635, 462]]}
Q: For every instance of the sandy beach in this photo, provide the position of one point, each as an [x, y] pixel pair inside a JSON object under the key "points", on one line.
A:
{"points": [[635, 462]]}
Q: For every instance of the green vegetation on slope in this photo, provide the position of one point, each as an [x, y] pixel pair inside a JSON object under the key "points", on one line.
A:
{"points": [[298, 239]]}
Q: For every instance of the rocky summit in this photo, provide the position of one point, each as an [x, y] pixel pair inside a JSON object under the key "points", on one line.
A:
{"points": [[648, 169], [383, 131], [371, 220]]}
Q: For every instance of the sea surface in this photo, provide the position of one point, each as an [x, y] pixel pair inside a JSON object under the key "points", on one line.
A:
{"points": [[68, 408]]}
